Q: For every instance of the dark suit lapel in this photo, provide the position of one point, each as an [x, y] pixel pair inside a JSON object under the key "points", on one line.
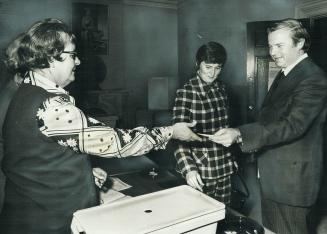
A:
{"points": [[272, 88], [284, 86]]}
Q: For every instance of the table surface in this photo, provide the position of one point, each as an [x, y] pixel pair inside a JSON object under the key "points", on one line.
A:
{"points": [[150, 180]]}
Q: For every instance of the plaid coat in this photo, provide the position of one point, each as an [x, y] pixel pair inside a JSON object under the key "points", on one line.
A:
{"points": [[207, 104]]}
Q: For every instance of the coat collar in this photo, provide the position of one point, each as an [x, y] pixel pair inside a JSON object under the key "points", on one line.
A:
{"points": [[36, 79], [201, 86], [299, 68], [291, 79], [290, 67]]}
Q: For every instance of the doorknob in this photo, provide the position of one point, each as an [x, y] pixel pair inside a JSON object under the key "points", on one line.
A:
{"points": [[250, 78]]}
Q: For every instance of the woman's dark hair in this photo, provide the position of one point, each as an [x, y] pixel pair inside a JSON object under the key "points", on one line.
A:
{"points": [[212, 52], [40, 44], [297, 31]]}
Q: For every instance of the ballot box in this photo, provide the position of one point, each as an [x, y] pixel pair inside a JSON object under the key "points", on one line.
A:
{"points": [[180, 209]]}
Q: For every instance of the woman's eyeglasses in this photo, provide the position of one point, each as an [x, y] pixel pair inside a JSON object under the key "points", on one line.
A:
{"points": [[73, 54]]}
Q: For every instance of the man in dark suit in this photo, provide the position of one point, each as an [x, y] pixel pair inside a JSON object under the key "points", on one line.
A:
{"points": [[288, 133]]}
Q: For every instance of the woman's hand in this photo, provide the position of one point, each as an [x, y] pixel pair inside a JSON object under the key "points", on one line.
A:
{"points": [[182, 131], [100, 176], [193, 179]]}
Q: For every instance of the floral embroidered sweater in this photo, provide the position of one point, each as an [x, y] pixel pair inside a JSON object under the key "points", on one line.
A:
{"points": [[59, 119]]}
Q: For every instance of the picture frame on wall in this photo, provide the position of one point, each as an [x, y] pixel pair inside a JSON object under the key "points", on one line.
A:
{"points": [[91, 26]]}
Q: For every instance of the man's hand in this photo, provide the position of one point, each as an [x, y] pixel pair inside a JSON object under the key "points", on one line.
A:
{"points": [[226, 136], [194, 180], [182, 131]]}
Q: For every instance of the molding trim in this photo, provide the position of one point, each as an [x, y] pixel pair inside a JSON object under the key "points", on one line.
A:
{"points": [[170, 4], [312, 9]]}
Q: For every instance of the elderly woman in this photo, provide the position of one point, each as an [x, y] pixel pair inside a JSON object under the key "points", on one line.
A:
{"points": [[47, 139]]}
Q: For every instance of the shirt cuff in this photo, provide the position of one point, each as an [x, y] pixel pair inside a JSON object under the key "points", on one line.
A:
{"points": [[239, 139]]}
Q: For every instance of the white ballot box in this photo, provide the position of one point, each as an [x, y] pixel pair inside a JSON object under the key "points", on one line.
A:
{"points": [[180, 209]]}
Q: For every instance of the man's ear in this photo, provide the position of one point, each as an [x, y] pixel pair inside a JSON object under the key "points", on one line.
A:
{"points": [[300, 43]]}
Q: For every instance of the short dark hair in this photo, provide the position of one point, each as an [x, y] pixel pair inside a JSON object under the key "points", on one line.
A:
{"points": [[298, 31], [40, 44], [212, 52]]}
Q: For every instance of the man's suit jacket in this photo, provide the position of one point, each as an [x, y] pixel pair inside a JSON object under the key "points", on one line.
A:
{"points": [[288, 136]]}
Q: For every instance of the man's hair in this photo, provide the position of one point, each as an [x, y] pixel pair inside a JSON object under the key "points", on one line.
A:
{"points": [[212, 52], [40, 44], [297, 31]]}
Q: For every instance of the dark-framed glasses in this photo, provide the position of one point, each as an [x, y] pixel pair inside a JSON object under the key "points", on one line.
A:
{"points": [[73, 54]]}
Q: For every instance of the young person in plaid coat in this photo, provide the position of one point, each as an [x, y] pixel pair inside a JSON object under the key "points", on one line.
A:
{"points": [[206, 166]]}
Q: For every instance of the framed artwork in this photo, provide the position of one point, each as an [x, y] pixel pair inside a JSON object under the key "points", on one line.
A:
{"points": [[91, 27]]}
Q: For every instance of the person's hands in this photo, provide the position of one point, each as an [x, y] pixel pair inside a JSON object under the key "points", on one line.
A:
{"points": [[193, 179], [100, 176], [226, 136], [182, 131]]}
